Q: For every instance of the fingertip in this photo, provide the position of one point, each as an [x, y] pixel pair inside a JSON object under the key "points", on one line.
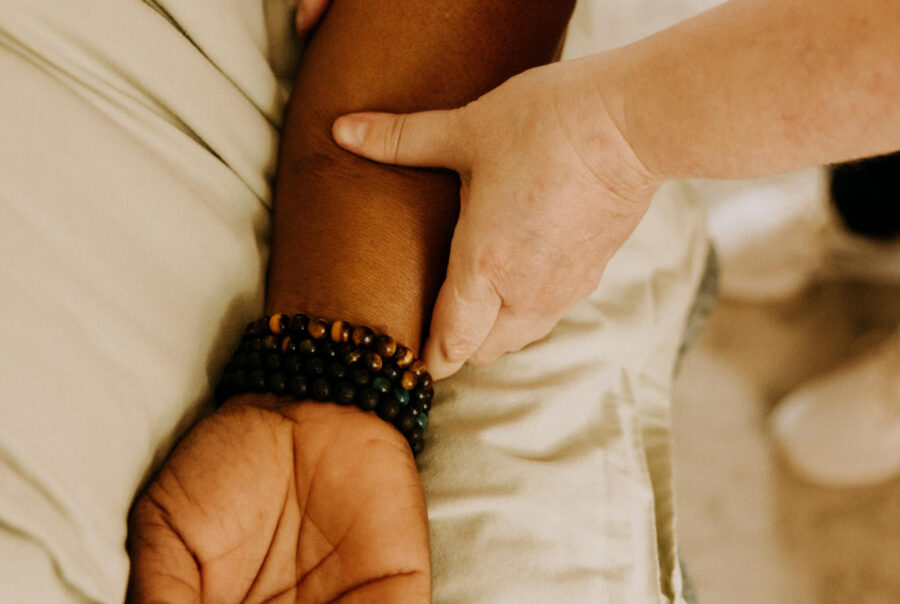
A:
{"points": [[307, 15], [349, 131], [301, 21], [464, 313], [436, 361], [480, 360]]}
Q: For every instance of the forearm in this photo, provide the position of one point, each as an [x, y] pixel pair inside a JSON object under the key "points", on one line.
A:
{"points": [[358, 240], [757, 87]]}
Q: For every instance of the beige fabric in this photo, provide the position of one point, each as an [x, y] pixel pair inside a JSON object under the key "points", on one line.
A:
{"points": [[138, 143], [548, 472]]}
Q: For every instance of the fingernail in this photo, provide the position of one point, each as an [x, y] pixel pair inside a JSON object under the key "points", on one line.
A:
{"points": [[350, 131], [436, 362]]}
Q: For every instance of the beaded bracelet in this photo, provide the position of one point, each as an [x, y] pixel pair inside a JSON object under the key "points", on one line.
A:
{"points": [[312, 358]]}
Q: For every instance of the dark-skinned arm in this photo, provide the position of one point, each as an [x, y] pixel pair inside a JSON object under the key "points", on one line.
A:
{"points": [[273, 500], [365, 242]]}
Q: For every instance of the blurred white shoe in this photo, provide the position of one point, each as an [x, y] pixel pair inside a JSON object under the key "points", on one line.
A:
{"points": [[768, 234], [775, 236], [843, 429]]}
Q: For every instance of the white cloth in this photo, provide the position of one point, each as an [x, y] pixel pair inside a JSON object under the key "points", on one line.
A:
{"points": [[138, 144]]}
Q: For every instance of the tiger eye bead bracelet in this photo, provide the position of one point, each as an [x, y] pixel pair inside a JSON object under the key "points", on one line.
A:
{"points": [[311, 358]]}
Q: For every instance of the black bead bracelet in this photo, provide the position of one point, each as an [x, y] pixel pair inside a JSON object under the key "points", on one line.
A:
{"points": [[311, 358]]}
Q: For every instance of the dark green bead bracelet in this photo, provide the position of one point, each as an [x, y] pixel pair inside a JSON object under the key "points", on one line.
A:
{"points": [[332, 361]]}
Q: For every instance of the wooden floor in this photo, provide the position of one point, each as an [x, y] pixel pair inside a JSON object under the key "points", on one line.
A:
{"points": [[750, 531]]}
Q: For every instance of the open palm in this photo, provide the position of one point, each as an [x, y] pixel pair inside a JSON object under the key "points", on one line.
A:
{"points": [[266, 501]]}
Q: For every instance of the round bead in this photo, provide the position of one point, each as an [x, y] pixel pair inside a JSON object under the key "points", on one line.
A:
{"points": [[254, 360], [404, 356], [340, 331], [344, 393], [402, 396], [372, 362], [360, 376], [405, 420], [238, 381], [278, 324], [258, 326], [350, 355], [288, 345], [275, 383], [272, 362], [367, 399], [293, 364], [388, 408], [240, 360], [320, 389], [314, 367], [328, 349], [408, 380], [270, 343], [232, 383], [298, 387], [307, 346], [362, 336], [381, 384], [421, 395], [417, 446], [425, 381], [336, 370], [256, 380], [417, 432], [417, 367], [422, 420], [385, 346], [391, 371], [317, 328], [298, 324]]}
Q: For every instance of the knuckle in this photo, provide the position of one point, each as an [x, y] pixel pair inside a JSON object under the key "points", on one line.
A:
{"points": [[458, 123], [394, 138], [542, 301], [491, 266], [458, 349], [487, 355], [479, 361]]}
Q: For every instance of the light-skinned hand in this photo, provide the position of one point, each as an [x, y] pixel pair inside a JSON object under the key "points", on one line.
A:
{"points": [[550, 190]]}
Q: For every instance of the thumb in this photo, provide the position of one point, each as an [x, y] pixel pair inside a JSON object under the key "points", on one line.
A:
{"points": [[309, 12], [429, 139], [464, 314]]}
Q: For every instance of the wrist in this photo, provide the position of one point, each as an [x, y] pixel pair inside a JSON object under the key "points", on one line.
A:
{"points": [[348, 424], [297, 358], [360, 241], [593, 106]]}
